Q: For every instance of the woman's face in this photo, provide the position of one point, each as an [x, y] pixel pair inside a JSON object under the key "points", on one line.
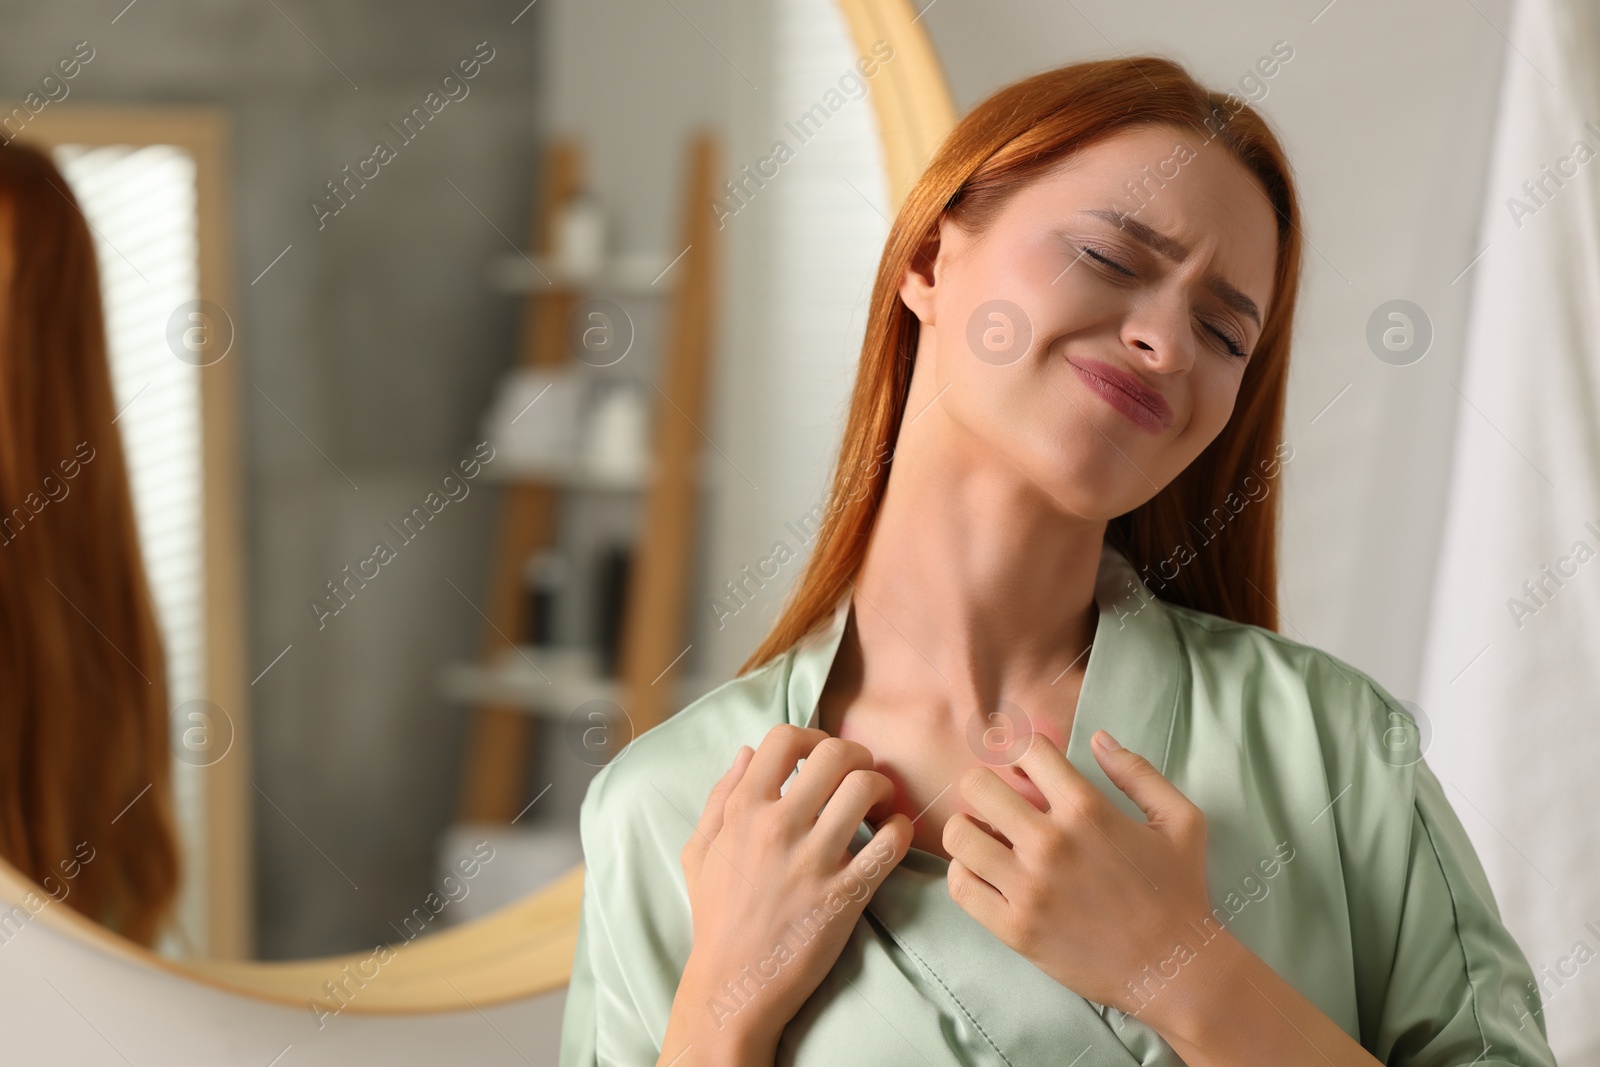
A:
{"points": [[1089, 339]]}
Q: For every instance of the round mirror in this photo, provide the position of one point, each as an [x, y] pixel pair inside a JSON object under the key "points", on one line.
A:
{"points": [[367, 667], [408, 406]]}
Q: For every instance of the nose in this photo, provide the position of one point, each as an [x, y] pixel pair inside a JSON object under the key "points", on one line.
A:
{"points": [[1158, 337]]}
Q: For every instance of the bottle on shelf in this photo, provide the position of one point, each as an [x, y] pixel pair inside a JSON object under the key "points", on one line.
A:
{"points": [[546, 577], [612, 599], [580, 238], [615, 434]]}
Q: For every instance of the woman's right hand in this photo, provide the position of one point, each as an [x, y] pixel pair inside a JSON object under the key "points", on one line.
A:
{"points": [[774, 891]]}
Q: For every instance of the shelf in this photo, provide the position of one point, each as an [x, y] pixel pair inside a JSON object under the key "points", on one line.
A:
{"points": [[509, 687], [626, 275], [546, 682], [570, 476]]}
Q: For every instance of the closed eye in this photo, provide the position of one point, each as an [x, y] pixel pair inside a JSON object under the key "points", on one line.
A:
{"points": [[1229, 342], [1106, 261], [1232, 345]]}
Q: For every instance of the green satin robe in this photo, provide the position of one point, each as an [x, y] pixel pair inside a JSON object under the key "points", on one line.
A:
{"points": [[1333, 854]]}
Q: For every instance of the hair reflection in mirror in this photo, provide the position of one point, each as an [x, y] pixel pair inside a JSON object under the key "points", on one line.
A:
{"points": [[1013, 137], [84, 754]]}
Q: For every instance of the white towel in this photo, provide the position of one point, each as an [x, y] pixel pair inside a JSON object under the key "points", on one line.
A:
{"points": [[1511, 672]]}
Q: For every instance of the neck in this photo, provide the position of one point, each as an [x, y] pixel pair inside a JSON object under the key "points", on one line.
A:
{"points": [[975, 585]]}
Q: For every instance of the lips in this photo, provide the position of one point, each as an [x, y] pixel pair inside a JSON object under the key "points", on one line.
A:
{"points": [[1143, 406]]}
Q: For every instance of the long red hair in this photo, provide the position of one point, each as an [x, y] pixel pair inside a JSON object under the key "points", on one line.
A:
{"points": [[1008, 140], [85, 792]]}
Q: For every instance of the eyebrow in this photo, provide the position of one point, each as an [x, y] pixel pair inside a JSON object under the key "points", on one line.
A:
{"points": [[1174, 249]]}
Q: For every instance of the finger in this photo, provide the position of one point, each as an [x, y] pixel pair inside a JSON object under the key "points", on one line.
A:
{"points": [[999, 805], [1159, 799], [711, 816], [858, 793], [882, 854], [716, 804], [979, 851], [1062, 784], [823, 770], [976, 897], [784, 746]]}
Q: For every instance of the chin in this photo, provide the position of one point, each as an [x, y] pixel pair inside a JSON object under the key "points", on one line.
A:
{"points": [[1088, 481]]}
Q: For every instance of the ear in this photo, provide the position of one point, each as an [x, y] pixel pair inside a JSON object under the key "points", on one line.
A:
{"points": [[918, 284]]}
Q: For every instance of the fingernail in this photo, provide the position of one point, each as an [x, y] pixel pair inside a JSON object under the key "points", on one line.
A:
{"points": [[1108, 742]]}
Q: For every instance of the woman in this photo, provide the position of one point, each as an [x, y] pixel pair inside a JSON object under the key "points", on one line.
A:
{"points": [[1077, 349], [85, 799]]}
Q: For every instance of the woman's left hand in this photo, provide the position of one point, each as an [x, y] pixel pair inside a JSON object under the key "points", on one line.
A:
{"points": [[1087, 894]]}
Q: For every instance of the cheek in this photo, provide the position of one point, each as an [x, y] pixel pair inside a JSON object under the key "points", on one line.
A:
{"points": [[1001, 366], [1004, 309], [1214, 391], [989, 339]]}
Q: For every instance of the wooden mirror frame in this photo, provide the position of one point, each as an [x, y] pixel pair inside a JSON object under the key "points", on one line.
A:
{"points": [[524, 949]]}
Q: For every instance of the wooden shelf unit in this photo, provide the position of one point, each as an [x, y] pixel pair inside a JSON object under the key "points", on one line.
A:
{"points": [[653, 638]]}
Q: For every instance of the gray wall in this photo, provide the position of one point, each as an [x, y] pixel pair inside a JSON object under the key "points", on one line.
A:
{"points": [[377, 337]]}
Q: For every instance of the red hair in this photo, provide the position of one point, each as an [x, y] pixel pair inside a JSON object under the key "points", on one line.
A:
{"points": [[1010, 139], [84, 755]]}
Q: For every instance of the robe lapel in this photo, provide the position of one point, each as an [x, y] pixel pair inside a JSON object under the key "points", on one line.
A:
{"points": [[1131, 686]]}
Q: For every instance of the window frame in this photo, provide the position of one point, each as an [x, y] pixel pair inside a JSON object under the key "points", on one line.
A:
{"points": [[204, 133]]}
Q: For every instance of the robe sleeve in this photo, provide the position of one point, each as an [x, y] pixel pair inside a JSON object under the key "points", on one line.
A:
{"points": [[1460, 990], [578, 1024], [601, 1025]]}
